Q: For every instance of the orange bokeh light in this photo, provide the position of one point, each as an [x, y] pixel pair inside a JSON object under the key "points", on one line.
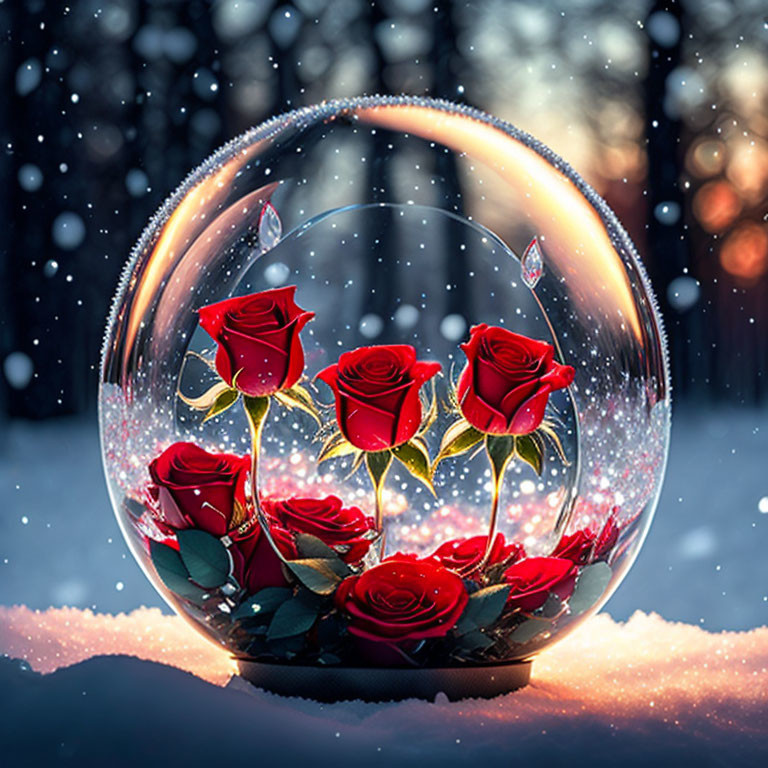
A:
{"points": [[716, 205], [744, 253], [706, 158]]}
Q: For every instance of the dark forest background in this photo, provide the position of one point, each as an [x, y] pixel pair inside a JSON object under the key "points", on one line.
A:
{"points": [[662, 106]]}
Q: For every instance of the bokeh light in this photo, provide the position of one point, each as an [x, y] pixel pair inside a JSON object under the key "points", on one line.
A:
{"points": [[744, 253]]}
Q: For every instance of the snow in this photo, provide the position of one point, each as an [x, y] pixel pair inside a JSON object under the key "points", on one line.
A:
{"points": [[609, 694]]}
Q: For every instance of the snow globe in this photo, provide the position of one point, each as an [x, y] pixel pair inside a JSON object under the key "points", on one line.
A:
{"points": [[384, 401]]}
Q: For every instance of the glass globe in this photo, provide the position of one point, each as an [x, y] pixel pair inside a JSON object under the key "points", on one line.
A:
{"points": [[384, 400]]}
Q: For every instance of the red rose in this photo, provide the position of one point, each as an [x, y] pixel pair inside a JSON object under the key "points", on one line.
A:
{"points": [[197, 489], [535, 578], [206, 491], [345, 529], [463, 556], [402, 599], [258, 339], [607, 538], [377, 394], [584, 546], [504, 388], [256, 565]]}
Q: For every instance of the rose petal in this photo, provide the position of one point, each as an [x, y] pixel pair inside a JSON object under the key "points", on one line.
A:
{"points": [[530, 414]]}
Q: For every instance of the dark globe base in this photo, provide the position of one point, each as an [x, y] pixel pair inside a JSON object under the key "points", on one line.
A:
{"points": [[330, 684]]}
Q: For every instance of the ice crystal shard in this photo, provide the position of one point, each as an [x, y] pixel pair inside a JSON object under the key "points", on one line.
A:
{"points": [[270, 228], [532, 264]]}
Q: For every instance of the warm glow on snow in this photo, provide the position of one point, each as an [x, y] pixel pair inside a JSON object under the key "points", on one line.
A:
{"points": [[647, 669]]}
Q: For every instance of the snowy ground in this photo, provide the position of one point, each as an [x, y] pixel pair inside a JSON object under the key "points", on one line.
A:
{"points": [[704, 561], [634, 694]]}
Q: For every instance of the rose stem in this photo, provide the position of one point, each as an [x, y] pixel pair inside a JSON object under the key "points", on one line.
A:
{"points": [[256, 409], [378, 463], [379, 491], [499, 461], [492, 522]]}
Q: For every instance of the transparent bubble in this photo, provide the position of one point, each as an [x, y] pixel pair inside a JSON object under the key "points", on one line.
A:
{"points": [[346, 203]]}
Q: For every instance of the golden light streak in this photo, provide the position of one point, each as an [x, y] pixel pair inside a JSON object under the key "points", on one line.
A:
{"points": [[577, 244], [188, 219]]}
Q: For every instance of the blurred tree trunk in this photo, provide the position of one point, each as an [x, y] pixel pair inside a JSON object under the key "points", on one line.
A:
{"points": [[668, 250]]}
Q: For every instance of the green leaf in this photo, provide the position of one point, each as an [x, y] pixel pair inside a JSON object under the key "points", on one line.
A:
{"points": [[294, 617], [528, 448], [226, 399], [548, 431], [553, 607], [590, 586], [501, 448], [256, 409], [173, 573], [530, 629], [483, 608], [430, 415], [286, 647], [298, 397], [320, 575], [474, 641], [205, 557], [310, 546], [133, 507], [413, 455], [378, 463], [265, 601], [334, 447], [459, 438], [207, 399]]}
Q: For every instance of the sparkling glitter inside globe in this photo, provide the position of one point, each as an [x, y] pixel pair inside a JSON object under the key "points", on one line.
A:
{"points": [[399, 221]]}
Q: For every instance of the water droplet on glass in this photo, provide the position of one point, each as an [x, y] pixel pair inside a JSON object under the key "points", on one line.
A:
{"points": [[532, 264], [270, 228]]}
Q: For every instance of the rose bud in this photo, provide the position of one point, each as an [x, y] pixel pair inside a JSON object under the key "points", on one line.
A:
{"points": [[258, 340], [402, 599], [345, 529], [505, 386], [533, 579], [377, 394], [464, 556]]}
